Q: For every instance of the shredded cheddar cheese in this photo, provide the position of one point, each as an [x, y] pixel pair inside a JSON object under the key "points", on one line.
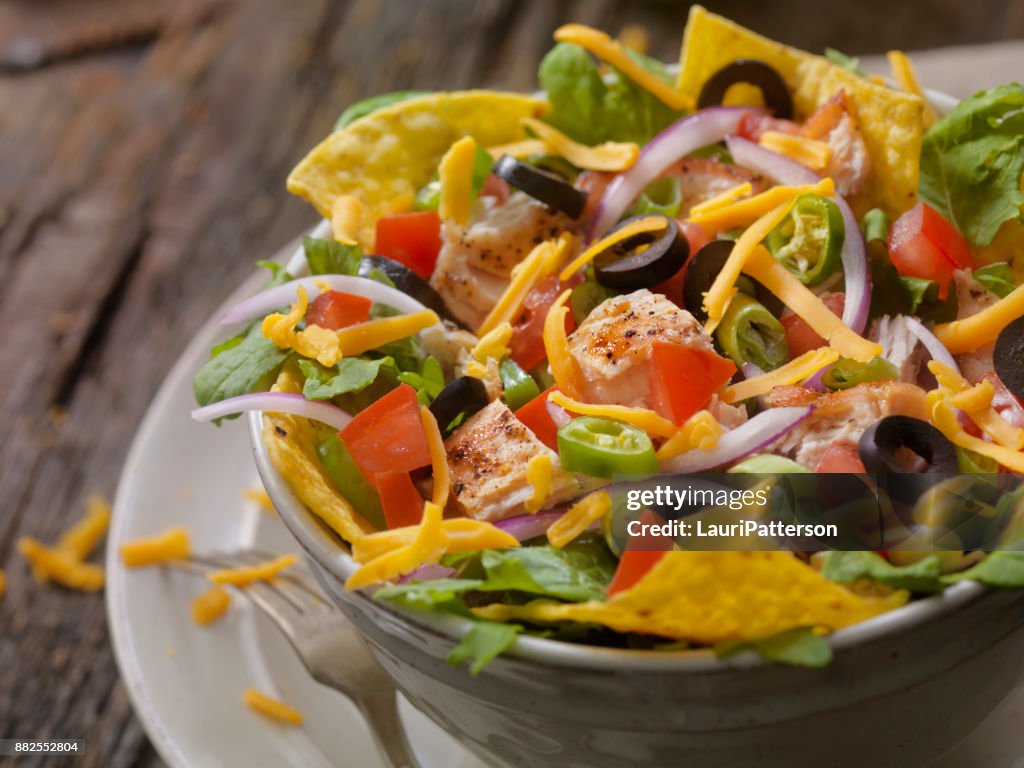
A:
{"points": [[539, 263], [814, 154], [578, 518], [172, 544], [976, 402], [3, 583], [346, 218], [752, 210], [314, 342], [636, 227], [259, 497], [464, 535], [456, 173], [722, 199], [611, 52], [61, 567], [981, 328], [210, 605], [518, 149], [429, 544], [609, 156], [904, 74], [762, 267], [556, 346], [357, 339], [270, 707], [538, 475], [493, 345], [700, 431], [642, 418], [943, 416], [246, 575], [438, 457], [81, 539], [795, 370]]}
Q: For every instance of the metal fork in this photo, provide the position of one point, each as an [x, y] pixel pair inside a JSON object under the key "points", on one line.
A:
{"points": [[327, 644]]}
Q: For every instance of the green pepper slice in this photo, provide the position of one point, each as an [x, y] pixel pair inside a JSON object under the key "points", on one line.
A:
{"points": [[809, 239], [749, 333], [662, 195], [585, 298], [348, 479], [604, 448], [846, 373], [519, 386], [767, 464]]}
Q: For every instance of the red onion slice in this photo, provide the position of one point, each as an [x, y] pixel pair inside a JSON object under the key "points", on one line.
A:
{"points": [[856, 271], [526, 527], [761, 431], [275, 402], [678, 140], [281, 295], [427, 573], [935, 348], [557, 413]]}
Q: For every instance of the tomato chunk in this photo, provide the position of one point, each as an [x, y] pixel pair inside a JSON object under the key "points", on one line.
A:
{"points": [[537, 419], [402, 503], [334, 310], [527, 344], [922, 243], [800, 337], [641, 554], [388, 435], [840, 458], [682, 379], [414, 239]]}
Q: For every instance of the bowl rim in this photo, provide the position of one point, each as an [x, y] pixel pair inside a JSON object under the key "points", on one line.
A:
{"points": [[330, 553]]}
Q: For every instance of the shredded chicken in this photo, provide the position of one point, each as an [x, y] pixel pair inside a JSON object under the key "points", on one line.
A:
{"points": [[901, 346], [849, 163]]}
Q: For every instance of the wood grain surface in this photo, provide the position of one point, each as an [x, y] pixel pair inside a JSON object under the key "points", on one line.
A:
{"points": [[143, 152]]}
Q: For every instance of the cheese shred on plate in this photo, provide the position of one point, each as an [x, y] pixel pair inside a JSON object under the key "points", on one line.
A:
{"points": [[609, 156], [271, 707], [61, 567], [172, 544], [578, 518], [241, 577], [798, 369], [82, 538], [210, 605]]}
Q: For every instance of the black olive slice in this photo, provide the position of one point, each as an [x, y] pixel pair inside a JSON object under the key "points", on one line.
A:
{"points": [[752, 71], [462, 396], [1009, 357], [547, 187], [643, 260], [881, 444], [406, 281], [701, 272]]}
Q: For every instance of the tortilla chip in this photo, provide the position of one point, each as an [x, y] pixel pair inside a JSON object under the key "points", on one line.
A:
{"points": [[394, 151], [293, 453], [708, 597], [891, 121]]}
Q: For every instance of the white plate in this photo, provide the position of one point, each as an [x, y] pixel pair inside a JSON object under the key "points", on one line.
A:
{"points": [[186, 681]]}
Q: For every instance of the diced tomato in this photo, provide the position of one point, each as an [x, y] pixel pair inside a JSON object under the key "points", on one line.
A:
{"points": [[414, 239], [388, 435], [754, 124], [402, 503], [640, 555], [682, 379], [497, 188], [527, 344], [334, 310], [922, 243], [537, 419], [696, 238], [840, 458], [800, 337]]}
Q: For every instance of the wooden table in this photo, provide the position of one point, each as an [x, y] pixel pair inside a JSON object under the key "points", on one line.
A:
{"points": [[143, 151]]}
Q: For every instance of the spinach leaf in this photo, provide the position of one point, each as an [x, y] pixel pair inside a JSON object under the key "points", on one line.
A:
{"points": [[972, 161], [800, 647], [351, 374], [249, 364], [329, 257], [847, 567]]}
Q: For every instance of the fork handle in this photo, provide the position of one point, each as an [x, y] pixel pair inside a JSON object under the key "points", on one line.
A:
{"points": [[380, 709]]}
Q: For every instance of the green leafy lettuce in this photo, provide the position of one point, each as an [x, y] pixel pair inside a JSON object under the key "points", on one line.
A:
{"points": [[592, 109], [1003, 569], [799, 646], [998, 278], [329, 257], [847, 567], [350, 374], [972, 161], [248, 364]]}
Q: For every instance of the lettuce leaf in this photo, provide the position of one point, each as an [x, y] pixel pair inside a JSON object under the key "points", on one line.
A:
{"points": [[998, 278], [1004, 569], [484, 641], [972, 161], [847, 567], [329, 257], [800, 647], [351, 374], [592, 109], [238, 367]]}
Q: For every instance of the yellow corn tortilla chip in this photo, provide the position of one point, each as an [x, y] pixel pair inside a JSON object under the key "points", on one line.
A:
{"points": [[890, 121], [394, 151], [294, 455], [708, 597]]}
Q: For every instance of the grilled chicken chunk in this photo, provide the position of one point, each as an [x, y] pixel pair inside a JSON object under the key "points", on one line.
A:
{"points": [[849, 163], [612, 347], [841, 417], [901, 346], [475, 261], [971, 298], [487, 458]]}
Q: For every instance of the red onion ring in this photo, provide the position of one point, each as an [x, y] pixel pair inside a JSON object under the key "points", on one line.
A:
{"points": [[684, 136], [856, 271], [427, 573], [526, 527], [935, 347], [761, 431], [557, 413], [275, 402]]}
